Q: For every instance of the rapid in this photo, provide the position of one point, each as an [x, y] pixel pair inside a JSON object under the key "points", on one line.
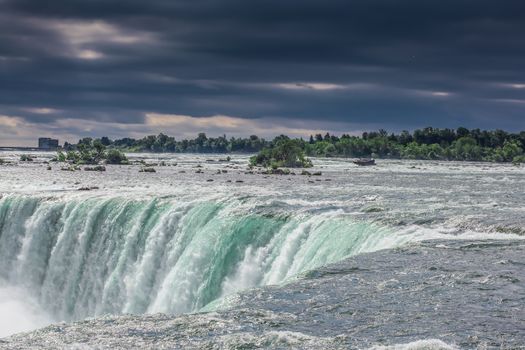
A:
{"points": [[200, 233]]}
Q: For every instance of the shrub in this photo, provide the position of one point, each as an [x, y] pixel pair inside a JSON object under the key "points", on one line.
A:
{"points": [[285, 153], [114, 156], [26, 158], [519, 159], [73, 156], [61, 157]]}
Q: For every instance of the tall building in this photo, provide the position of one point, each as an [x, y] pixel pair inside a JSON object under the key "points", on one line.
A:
{"points": [[47, 143]]}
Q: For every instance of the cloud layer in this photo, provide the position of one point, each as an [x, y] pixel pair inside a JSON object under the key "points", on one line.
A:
{"points": [[303, 65]]}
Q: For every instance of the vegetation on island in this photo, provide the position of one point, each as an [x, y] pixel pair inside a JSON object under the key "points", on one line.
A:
{"points": [[283, 153], [427, 143], [93, 153]]}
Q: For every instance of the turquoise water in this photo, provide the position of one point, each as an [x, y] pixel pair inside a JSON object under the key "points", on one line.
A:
{"points": [[97, 256]]}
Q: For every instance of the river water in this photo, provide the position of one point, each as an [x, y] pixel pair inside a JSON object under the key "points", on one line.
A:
{"points": [[205, 254]]}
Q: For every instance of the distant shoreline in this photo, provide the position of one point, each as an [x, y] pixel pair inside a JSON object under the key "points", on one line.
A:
{"points": [[429, 143], [32, 149]]}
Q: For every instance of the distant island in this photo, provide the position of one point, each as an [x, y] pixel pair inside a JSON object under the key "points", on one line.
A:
{"points": [[429, 143]]}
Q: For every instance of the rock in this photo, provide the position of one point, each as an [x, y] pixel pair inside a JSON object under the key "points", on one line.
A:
{"points": [[239, 181], [209, 180], [277, 171], [88, 188], [373, 210], [306, 172], [95, 168], [147, 170], [317, 173], [280, 171]]}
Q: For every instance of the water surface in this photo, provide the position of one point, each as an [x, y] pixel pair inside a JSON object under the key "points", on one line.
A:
{"points": [[191, 236]]}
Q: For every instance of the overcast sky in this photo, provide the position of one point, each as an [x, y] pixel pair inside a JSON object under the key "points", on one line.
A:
{"points": [[73, 68]]}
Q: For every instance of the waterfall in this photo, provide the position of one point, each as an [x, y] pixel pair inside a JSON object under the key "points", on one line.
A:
{"points": [[82, 257]]}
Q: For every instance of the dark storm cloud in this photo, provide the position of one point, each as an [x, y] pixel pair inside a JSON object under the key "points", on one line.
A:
{"points": [[394, 64]]}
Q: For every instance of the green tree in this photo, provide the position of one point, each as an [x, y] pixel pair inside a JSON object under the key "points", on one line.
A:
{"points": [[285, 153]]}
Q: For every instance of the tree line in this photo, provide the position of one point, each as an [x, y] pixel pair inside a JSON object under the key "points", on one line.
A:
{"points": [[427, 143]]}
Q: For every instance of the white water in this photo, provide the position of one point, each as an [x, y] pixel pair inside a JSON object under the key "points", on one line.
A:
{"points": [[96, 256], [175, 243], [19, 312], [427, 344]]}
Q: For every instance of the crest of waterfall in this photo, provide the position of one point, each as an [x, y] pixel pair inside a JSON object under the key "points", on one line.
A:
{"points": [[93, 256]]}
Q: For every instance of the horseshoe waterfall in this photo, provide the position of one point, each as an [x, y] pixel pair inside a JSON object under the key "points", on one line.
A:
{"points": [[205, 254]]}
